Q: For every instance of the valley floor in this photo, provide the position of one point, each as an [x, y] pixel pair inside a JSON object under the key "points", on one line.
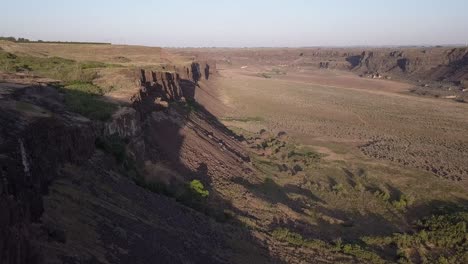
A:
{"points": [[387, 158], [375, 118]]}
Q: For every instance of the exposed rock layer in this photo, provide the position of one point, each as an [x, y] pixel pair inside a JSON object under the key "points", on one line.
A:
{"points": [[64, 201]]}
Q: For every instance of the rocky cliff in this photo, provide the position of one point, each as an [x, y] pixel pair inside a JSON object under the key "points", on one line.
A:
{"points": [[34, 144], [440, 65], [424, 64], [69, 194], [428, 64]]}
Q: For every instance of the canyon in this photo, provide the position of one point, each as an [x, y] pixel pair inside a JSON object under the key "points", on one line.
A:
{"points": [[305, 153]]}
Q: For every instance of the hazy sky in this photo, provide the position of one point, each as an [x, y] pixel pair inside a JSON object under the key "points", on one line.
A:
{"points": [[239, 23]]}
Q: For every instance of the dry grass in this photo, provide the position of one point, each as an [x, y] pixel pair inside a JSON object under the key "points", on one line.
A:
{"points": [[389, 126], [350, 193], [121, 54], [115, 68]]}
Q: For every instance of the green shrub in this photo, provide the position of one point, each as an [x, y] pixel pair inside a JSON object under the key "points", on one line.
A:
{"points": [[198, 189], [357, 251], [403, 202], [445, 234], [384, 195], [284, 234], [192, 194]]}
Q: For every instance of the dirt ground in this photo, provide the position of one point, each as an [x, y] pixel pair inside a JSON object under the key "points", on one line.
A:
{"points": [[377, 118]]}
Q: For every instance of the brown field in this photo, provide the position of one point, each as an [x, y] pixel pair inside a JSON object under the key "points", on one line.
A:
{"points": [[375, 116], [121, 54]]}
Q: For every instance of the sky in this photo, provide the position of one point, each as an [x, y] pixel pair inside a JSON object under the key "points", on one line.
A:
{"points": [[239, 23]]}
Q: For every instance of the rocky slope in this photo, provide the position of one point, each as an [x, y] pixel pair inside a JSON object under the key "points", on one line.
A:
{"points": [[76, 190], [64, 200], [432, 64]]}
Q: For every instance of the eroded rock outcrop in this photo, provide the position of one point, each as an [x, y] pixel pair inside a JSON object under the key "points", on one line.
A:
{"points": [[33, 146], [159, 88], [64, 200], [430, 64]]}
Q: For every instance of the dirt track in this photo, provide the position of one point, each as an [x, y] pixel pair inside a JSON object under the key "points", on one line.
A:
{"points": [[376, 116]]}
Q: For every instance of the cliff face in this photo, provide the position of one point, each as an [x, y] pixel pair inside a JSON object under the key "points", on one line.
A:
{"points": [[432, 64], [427, 64], [161, 125], [33, 145], [158, 89], [63, 200]]}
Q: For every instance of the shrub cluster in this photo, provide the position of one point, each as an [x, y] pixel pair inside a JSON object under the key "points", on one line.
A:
{"points": [[284, 234], [439, 239]]}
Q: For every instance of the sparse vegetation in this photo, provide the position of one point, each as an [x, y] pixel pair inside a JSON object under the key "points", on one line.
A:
{"points": [[51, 67], [359, 187], [314, 180], [338, 188], [284, 234], [360, 253], [192, 194], [439, 239], [403, 202], [265, 75], [269, 74], [383, 195], [81, 95], [85, 99]]}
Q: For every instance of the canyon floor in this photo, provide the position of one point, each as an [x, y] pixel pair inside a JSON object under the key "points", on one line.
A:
{"points": [[376, 119], [372, 135], [297, 163]]}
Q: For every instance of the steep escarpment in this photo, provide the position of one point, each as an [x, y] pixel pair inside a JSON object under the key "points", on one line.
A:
{"points": [[432, 64], [34, 144], [435, 66], [71, 188], [165, 123]]}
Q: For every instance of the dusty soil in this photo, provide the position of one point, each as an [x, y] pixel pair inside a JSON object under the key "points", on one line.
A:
{"points": [[377, 117]]}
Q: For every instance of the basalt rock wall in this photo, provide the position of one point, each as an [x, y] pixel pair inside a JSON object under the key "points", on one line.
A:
{"points": [[425, 64], [32, 148]]}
